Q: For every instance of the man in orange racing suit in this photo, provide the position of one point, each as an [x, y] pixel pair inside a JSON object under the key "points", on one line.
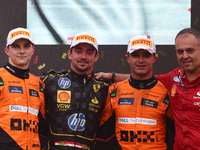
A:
{"points": [[140, 103], [21, 95]]}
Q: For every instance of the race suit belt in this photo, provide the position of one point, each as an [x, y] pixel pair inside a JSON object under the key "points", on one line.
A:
{"points": [[72, 144]]}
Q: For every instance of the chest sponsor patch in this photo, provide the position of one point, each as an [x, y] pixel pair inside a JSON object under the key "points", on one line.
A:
{"points": [[33, 93], [177, 79], [15, 89], [146, 121], [149, 103], [77, 122], [126, 101], [18, 108], [13, 82], [173, 90], [64, 83], [96, 87], [197, 96], [63, 96]]}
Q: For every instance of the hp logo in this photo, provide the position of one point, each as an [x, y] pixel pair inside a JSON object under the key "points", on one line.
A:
{"points": [[64, 83], [76, 122]]}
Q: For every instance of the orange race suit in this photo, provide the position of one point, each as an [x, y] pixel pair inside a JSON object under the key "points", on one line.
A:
{"points": [[140, 108], [21, 102]]}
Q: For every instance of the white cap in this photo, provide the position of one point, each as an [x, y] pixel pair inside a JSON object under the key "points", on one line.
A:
{"points": [[141, 42], [84, 37], [18, 33]]}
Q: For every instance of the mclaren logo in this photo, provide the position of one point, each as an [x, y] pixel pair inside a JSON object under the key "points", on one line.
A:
{"points": [[96, 87]]}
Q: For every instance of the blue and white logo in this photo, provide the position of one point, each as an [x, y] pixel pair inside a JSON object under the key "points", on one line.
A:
{"points": [[77, 123], [64, 83], [15, 89], [126, 101], [176, 79]]}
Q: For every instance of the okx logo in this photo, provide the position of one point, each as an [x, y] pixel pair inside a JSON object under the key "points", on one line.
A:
{"points": [[77, 122]]}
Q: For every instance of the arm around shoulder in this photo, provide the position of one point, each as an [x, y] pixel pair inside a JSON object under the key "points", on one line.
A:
{"points": [[113, 77]]}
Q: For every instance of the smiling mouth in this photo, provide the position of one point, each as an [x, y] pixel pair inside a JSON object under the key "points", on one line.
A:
{"points": [[83, 62], [21, 57], [187, 63], [140, 67]]}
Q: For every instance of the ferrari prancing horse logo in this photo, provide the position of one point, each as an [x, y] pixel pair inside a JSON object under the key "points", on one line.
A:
{"points": [[96, 87]]}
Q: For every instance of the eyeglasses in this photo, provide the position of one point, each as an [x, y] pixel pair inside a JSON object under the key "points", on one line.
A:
{"points": [[181, 82]]}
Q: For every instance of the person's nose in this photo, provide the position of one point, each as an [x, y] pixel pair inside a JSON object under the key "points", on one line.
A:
{"points": [[22, 50], [141, 59], [83, 56], [185, 55]]}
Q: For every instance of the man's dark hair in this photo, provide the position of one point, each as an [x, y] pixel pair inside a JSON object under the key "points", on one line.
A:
{"points": [[192, 31]]}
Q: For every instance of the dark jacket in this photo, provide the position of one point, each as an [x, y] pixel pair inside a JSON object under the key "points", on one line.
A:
{"points": [[73, 103]]}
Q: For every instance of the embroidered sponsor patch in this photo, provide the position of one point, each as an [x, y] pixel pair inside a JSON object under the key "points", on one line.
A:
{"points": [[17, 33], [173, 90], [15, 89], [149, 103], [166, 99], [126, 93], [18, 108], [96, 87], [113, 93], [77, 122], [126, 101], [41, 88], [85, 37], [72, 144], [1, 82], [33, 93], [176, 79], [63, 96], [125, 120], [64, 83], [13, 82], [95, 101], [141, 42]]}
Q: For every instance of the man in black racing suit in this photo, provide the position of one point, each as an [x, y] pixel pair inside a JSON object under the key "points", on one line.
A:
{"points": [[74, 98]]}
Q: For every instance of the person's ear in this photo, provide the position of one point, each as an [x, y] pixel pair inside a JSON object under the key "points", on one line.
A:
{"points": [[7, 51], [96, 57], [69, 54]]}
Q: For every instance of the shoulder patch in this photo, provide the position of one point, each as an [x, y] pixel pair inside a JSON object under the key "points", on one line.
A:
{"points": [[1, 82], [41, 88], [113, 93], [166, 99]]}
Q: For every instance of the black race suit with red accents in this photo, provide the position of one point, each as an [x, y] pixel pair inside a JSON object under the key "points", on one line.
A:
{"points": [[73, 105]]}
